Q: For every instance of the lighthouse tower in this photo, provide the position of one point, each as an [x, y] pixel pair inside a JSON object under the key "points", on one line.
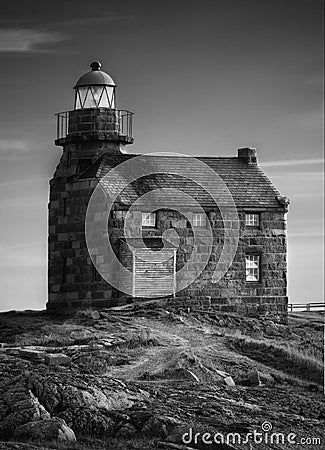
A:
{"points": [[93, 128]]}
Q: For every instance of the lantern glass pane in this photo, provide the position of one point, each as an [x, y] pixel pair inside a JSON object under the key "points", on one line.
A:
{"points": [[81, 94], [95, 97]]}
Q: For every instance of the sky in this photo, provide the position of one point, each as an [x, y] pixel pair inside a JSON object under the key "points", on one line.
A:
{"points": [[202, 78]]}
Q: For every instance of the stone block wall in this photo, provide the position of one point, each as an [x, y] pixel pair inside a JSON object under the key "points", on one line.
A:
{"points": [[72, 277], [232, 292], [73, 280], [92, 120]]}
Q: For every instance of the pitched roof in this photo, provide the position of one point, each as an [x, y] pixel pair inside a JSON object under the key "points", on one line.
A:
{"points": [[248, 185]]}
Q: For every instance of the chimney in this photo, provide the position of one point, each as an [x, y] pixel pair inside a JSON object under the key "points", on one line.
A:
{"points": [[248, 154]]}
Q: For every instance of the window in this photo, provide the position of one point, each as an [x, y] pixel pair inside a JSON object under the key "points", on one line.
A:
{"points": [[252, 267], [199, 220], [119, 214], [148, 219], [83, 164], [252, 220]]}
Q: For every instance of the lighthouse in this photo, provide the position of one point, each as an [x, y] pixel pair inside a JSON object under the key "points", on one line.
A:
{"points": [[204, 231], [93, 128]]}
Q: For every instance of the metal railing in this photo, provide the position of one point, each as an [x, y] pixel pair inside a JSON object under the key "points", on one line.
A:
{"points": [[123, 124], [125, 119], [62, 123]]}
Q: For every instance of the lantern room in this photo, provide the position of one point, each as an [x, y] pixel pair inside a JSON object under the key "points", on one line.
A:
{"points": [[95, 89], [95, 116]]}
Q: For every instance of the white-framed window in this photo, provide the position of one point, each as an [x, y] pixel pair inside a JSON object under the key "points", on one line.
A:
{"points": [[252, 219], [252, 267], [118, 214], [199, 220], [149, 219]]}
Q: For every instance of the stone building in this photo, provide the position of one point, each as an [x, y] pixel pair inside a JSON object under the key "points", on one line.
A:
{"points": [[183, 242]]}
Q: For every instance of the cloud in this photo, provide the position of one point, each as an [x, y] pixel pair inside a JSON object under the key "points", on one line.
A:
{"points": [[293, 162], [25, 40], [24, 181], [89, 21], [15, 149], [8, 146]]}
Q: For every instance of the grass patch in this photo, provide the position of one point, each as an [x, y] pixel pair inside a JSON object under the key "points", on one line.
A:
{"points": [[89, 443], [281, 357], [48, 340], [143, 338]]}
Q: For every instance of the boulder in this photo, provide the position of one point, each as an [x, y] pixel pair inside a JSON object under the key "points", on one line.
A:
{"points": [[159, 426], [52, 430], [47, 391], [31, 354], [222, 374], [229, 381], [57, 359], [89, 314], [140, 417], [21, 406], [127, 431], [89, 421], [267, 378], [253, 378]]}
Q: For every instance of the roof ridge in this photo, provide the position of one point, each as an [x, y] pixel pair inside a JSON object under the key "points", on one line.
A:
{"points": [[152, 155], [248, 183]]}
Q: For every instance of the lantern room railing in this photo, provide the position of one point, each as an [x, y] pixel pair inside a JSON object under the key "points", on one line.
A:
{"points": [[113, 124], [62, 121]]}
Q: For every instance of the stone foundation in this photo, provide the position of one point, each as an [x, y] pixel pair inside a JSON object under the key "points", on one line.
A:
{"points": [[273, 308]]}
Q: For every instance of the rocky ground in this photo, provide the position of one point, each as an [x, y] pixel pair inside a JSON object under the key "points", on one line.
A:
{"points": [[141, 377]]}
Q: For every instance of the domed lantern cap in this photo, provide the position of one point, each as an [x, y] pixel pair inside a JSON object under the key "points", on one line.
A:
{"points": [[95, 89]]}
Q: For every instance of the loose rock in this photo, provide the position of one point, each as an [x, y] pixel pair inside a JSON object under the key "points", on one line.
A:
{"points": [[57, 359], [229, 381]]}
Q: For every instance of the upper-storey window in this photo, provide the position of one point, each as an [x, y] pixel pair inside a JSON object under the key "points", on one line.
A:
{"points": [[149, 219], [252, 220], [199, 220], [252, 267], [119, 214]]}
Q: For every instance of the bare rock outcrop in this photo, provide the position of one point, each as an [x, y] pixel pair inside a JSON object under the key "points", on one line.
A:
{"points": [[54, 431], [19, 406]]}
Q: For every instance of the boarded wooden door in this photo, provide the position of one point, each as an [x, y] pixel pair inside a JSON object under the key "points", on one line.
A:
{"points": [[154, 275]]}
